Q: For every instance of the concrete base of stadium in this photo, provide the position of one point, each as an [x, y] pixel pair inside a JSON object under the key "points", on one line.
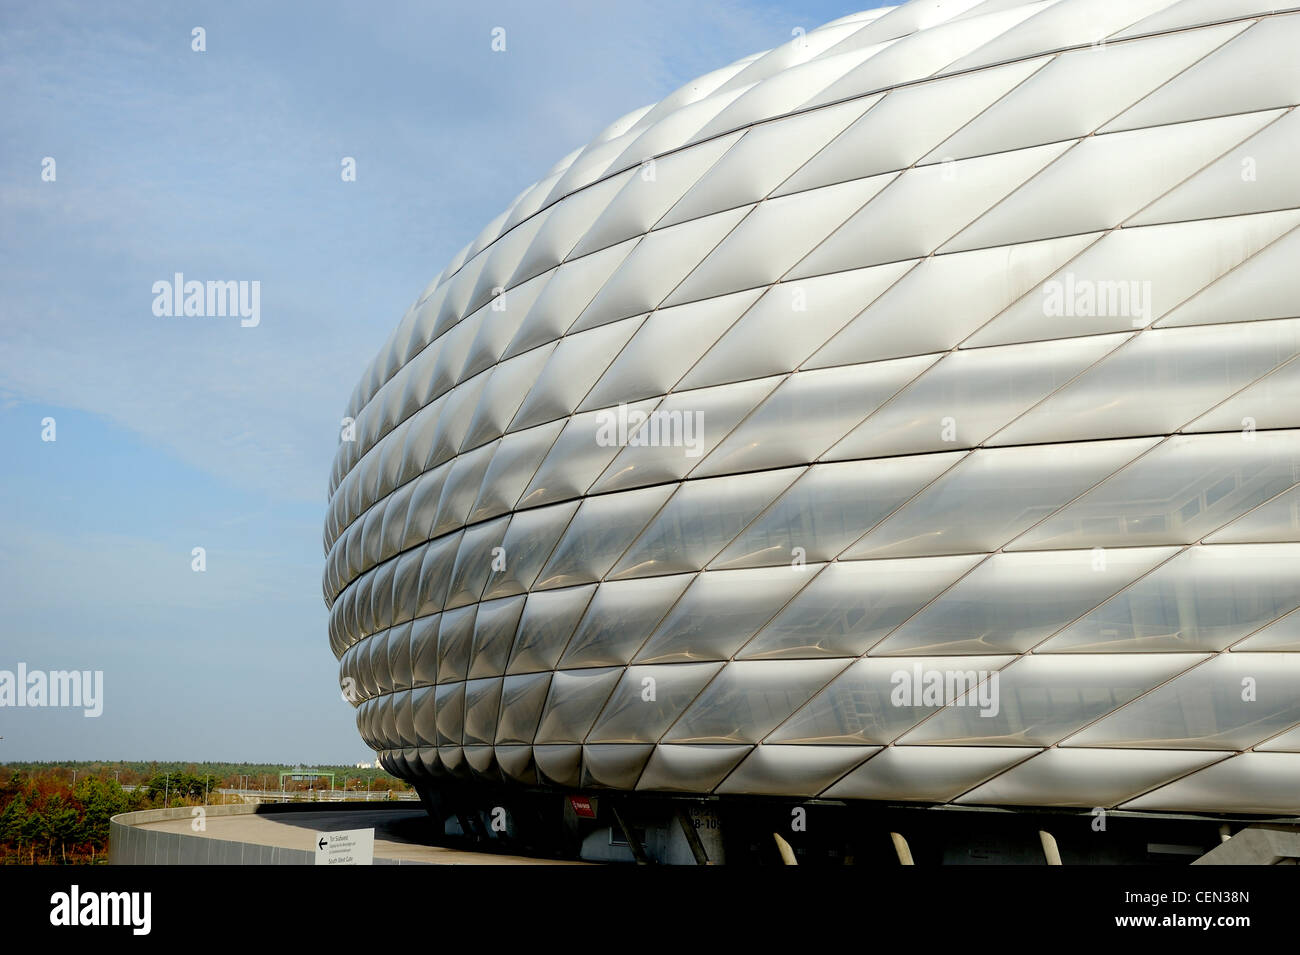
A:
{"points": [[283, 835], [646, 828]]}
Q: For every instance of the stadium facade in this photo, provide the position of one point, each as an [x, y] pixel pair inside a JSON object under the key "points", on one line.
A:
{"points": [[905, 416]]}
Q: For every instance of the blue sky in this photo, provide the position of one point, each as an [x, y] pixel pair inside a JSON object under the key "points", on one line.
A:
{"points": [[180, 433]]}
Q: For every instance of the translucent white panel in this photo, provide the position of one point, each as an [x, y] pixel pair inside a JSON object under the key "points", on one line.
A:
{"points": [[455, 640], [1214, 87], [692, 92], [1283, 634], [613, 767], [924, 773], [453, 348], [527, 544], [475, 561], [488, 236], [849, 606], [766, 156], [567, 292], [1188, 13], [548, 622], [925, 52], [1131, 277], [1251, 782], [571, 370], [1040, 699], [907, 18], [748, 257], [1261, 287], [619, 618], [711, 414], [651, 192], [1272, 402], [424, 650], [1013, 601], [1288, 742], [435, 573], [559, 764], [422, 716], [968, 395], [870, 702], [1204, 599], [399, 657], [452, 759], [665, 347], [426, 317], [907, 123], [1086, 778], [1062, 25], [686, 768], [494, 635], [449, 708], [830, 507], [934, 202], [1184, 489], [482, 697], [522, 698], [420, 432], [808, 413], [699, 520], [648, 699], [507, 386], [790, 322], [677, 127], [992, 496], [365, 667], [513, 465], [801, 49], [1080, 90], [503, 259], [793, 770], [1158, 382], [453, 421], [575, 699], [747, 700], [720, 611], [602, 529], [956, 294], [516, 763], [590, 165], [783, 92], [381, 597], [582, 451], [566, 222], [406, 584], [1231, 702], [482, 762], [1105, 179], [658, 262]]}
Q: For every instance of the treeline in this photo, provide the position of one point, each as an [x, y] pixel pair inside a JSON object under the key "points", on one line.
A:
{"points": [[43, 819], [130, 773], [58, 813]]}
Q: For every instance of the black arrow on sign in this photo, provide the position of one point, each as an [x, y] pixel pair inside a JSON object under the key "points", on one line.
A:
{"points": [[321, 844]]}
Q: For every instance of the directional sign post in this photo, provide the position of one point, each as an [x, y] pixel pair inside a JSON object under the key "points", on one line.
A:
{"points": [[350, 847]]}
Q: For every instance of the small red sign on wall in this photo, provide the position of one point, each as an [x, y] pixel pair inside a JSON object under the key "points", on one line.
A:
{"points": [[582, 807]]}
